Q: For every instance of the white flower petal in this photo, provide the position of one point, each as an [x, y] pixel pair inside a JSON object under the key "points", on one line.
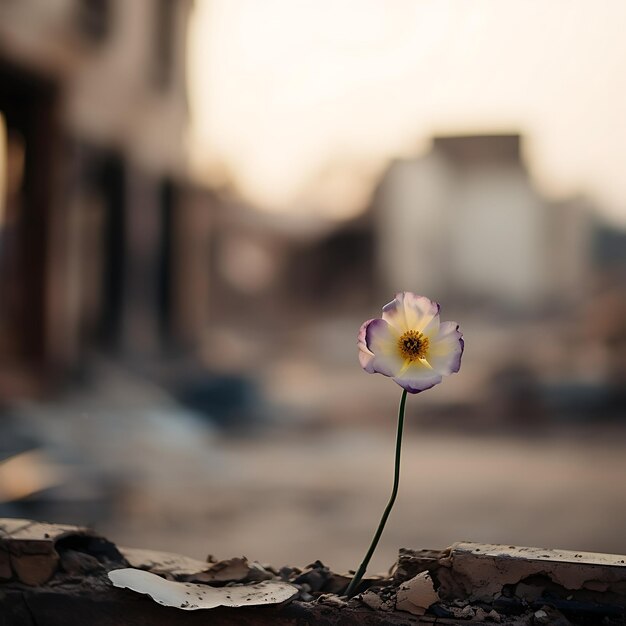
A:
{"points": [[382, 340], [388, 364], [408, 311], [446, 349], [378, 343], [418, 378], [432, 328]]}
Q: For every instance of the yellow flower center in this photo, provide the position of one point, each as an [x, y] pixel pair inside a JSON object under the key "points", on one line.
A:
{"points": [[413, 345]]}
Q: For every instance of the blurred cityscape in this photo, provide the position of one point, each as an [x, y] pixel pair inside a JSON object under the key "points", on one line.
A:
{"points": [[178, 368]]}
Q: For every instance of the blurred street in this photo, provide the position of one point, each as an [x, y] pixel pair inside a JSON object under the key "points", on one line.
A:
{"points": [[306, 497], [146, 472]]}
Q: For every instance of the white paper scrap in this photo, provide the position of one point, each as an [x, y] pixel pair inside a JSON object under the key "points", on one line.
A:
{"points": [[191, 596]]}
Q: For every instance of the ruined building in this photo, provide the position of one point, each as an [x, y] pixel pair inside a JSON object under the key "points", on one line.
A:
{"points": [[465, 222], [99, 224]]}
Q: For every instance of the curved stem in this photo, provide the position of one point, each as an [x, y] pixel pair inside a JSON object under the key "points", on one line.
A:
{"points": [[352, 587]]}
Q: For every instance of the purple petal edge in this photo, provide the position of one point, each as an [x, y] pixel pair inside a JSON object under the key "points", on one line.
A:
{"points": [[370, 328], [457, 365], [366, 356]]}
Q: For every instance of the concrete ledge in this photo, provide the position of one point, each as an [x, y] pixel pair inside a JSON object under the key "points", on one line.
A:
{"points": [[485, 572]]}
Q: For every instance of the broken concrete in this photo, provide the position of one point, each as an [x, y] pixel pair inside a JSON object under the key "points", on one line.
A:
{"points": [[163, 562], [414, 562], [488, 573], [417, 594], [31, 548], [376, 600], [55, 575], [5, 565]]}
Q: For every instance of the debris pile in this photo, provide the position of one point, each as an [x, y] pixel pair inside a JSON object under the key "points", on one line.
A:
{"points": [[52, 574]]}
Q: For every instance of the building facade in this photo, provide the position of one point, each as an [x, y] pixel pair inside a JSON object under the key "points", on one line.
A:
{"points": [[465, 222], [99, 225]]}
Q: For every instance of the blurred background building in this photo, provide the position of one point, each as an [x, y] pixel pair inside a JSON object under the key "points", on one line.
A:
{"points": [[200, 202], [101, 238], [483, 231]]}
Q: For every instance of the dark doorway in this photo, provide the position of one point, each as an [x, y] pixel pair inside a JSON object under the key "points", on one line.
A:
{"points": [[111, 182], [27, 107]]}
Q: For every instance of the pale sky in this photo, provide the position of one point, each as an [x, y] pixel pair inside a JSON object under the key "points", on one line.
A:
{"points": [[300, 104]]}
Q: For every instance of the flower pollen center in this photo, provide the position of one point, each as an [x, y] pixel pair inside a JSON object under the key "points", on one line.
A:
{"points": [[413, 345]]}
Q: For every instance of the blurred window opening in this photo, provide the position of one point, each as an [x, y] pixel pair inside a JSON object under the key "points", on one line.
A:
{"points": [[163, 55], [111, 187], [167, 199], [3, 204], [3, 173], [16, 160], [28, 104], [94, 19], [12, 159]]}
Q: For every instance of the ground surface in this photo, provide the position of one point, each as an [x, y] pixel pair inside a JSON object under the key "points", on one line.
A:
{"points": [[319, 496]]}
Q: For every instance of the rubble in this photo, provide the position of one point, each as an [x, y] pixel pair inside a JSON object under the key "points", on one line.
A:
{"points": [[53, 574], [414, 562], [163, 562], [5, 565], [417, 595], [29, 549], [506, 575], [379, 598], [230, 570]]}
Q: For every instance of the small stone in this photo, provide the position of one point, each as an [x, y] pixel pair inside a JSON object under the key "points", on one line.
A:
{"points": [[480, 614], [79, 563], [467, 612], [229, 570], [258, 573], [494, 616], [332, 600], [314, 577], [34, 569], [417, 594], [550, 615], [163, 562], [379, 599], [371, 599], [414, 562]]}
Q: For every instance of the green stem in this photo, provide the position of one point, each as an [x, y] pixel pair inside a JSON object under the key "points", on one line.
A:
{"points": [[352, 587]]}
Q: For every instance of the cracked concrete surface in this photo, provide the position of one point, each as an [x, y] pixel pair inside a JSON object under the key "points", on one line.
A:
{"points": [[480, 571]]}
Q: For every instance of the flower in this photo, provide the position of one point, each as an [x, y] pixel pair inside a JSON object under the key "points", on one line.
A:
{"points": [[409, 344]]}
